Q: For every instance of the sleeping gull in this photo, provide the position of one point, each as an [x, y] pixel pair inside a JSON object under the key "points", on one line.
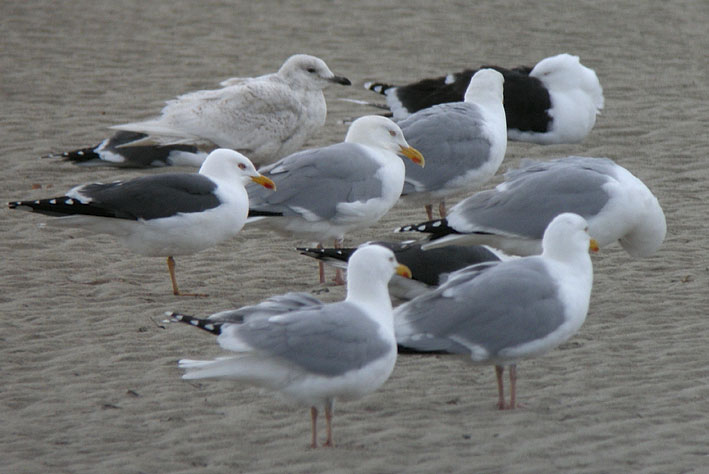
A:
{"points": [[265, 117], [165, 214], [341, 350], [113, 152], [429, 268], [323, 193], [512, 217], [463, 142], [556, 101], [501, 313]]}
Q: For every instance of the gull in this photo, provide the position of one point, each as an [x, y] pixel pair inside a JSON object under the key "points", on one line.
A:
{"points": [[500, 313], [162, 215], [556, 101], [323, 193], [429, 268], [513, 216], [118, 151], [464, 142], [265, 117], [312, 354]]}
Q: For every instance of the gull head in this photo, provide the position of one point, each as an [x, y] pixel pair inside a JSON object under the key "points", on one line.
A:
{"points": [[566, 237], [226, 163], [381, 132], [310, 72]]}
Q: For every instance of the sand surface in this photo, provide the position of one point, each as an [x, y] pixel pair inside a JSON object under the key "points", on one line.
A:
{"points": [[89, 375]]}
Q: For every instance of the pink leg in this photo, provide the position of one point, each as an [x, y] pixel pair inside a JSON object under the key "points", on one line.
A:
{"points": [[328, 423], [321, 267], [175, 290], [499, 371], [429, 211], [442, 209], [513, 386], [339, 279], [314, 427]]}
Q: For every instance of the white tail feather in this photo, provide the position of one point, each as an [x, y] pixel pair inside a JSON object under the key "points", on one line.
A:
{"points": [[252, 368]]}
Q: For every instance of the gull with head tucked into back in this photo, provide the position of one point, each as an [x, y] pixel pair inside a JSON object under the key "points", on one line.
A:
{"points": [[556, 101], [323, 193], [429, 268], [312, 353], [162, 215], [513, 216]]}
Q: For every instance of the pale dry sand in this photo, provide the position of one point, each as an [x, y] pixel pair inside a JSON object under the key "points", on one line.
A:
{"points": [[89, 376]]}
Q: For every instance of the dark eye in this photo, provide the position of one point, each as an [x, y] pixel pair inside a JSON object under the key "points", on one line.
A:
{"points": [[392, 133], [242, 166], [311, 70]]}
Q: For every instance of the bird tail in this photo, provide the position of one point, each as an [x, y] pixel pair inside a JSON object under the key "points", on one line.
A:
{"points": [[205, 324], [252, 368], [200, 369]]}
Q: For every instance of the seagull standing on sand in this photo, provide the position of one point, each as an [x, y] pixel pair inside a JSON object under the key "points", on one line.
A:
{"points": [[556, 101], [342, 350], [323, 193], [501, 313], [464, 142], [513, 216], [165, 214], [265, 117]]}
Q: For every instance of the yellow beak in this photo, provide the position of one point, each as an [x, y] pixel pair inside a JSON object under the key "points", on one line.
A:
{"points": [[403, 270], [593, 245], [413, 154], [264, 181]]}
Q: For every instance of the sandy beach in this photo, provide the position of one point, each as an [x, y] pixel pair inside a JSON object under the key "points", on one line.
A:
{"points": [[89, 375]]}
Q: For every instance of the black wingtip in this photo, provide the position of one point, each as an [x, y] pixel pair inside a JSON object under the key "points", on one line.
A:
{"points": [[204, 324], [258, 213], [327, 254], [82, 155], [378, 87], [310, 251], [410, 350], [437, 227], [78, 156]]}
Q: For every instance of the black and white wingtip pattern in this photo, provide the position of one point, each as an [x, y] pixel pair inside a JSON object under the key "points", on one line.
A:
{"points": [[204, 324], [60, 206], [326, 254], [378, 87], [77, 156], [436, 227]]}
